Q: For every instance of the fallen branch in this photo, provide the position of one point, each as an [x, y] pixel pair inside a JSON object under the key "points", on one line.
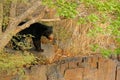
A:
{"points": [[28, 12], [49, 20], [27, 24]]}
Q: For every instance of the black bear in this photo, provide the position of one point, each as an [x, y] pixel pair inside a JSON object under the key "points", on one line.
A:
{"points": [[37, 30]]}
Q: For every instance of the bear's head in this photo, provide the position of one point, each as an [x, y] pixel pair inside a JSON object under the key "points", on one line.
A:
{"points": [[49, 33]]}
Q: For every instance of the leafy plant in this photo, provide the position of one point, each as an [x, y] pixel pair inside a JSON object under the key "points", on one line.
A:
{"points": [[106, 52], [95, 32], [94, 47], [108, 12], [11, 62], [92, 18], [21, 41], [82, 21], [64, 8]]}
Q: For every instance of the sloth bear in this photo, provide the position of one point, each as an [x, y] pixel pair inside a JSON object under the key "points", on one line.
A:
{"points": [[36, 30]]}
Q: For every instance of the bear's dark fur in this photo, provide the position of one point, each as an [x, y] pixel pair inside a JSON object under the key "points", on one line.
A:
{"points": [[37, 30]]}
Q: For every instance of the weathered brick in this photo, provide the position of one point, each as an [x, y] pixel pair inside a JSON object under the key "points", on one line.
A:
{"points": [[89, 74], [94, 62], [72, 65], [74, 74], [118, 73], [63, 67], [85, 68]]}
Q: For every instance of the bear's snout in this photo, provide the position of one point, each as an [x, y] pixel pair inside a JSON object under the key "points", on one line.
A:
{"points": [[51, 37]]}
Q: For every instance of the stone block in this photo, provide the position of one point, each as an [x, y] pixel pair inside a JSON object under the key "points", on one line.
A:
{"points": [[73, 74], [118, 73]]}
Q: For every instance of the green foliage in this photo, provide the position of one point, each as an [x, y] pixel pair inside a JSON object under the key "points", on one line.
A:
{"points": [[92, 18], [106, 52], [64, 8], [82, 21], [107, 5], [108, 12], [94, 47], [105, 11], [117, 51], [114, 27], [95, 32], [12, 62], [104, 18], [22, 42]]}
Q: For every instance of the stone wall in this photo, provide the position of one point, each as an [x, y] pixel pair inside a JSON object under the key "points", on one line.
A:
{"points": [[92, 67]]}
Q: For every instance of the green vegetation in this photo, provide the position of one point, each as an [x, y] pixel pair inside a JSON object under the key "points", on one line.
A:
{"points": [[15, 62], [107, 11], [99, 12], [65, 8], [22, 42]]}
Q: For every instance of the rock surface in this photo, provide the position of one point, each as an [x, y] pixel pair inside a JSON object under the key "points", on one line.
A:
{"points": [[74, 68]]}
